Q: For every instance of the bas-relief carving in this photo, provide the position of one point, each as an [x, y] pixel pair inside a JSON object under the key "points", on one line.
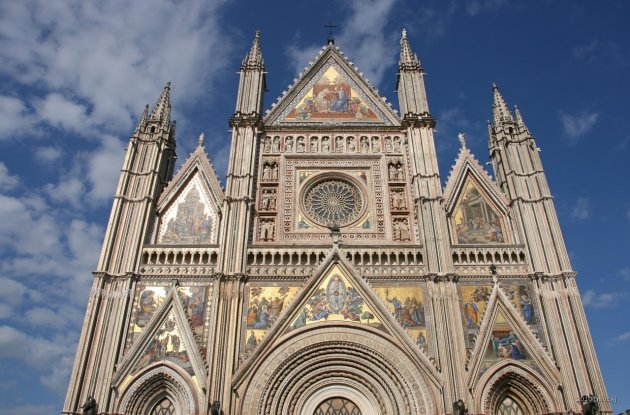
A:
{"points": [[191, 219], [332, 98], [475, 220], [268, 199], [267, 230], [406, 305], [335, 300], [265, 303]]}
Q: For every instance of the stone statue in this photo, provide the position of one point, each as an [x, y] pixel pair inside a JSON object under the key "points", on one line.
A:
{"points": [[266, 172], [459, 408], [264, 203], [215, 408], [89, 407], [274, 175], [589, 405], [272, 199], [267, 145], [276, 144], [288, 144]]}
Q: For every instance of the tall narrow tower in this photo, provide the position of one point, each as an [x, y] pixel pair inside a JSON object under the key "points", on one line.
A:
{"points": [[519, 172], [238, 208], [148, 165], [432, 224]]}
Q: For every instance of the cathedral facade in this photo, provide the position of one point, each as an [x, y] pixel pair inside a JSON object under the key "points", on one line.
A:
{"points": [[334, 274]]}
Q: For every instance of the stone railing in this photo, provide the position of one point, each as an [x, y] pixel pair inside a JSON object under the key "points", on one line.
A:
{"points": [[183, 260], [508, 259]]}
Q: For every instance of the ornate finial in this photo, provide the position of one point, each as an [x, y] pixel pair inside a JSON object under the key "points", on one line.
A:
{"points": [[331, 38], [162, 110], [253, 59], [408, 59], [519, 119], [202, 140], [462, 140], [500, 109]]}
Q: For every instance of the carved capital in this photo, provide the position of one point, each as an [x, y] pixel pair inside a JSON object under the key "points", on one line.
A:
{"points": [[253, 119], [418, 120]]}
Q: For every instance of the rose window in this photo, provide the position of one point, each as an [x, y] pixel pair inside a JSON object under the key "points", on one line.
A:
{"points": [[333, 202]]}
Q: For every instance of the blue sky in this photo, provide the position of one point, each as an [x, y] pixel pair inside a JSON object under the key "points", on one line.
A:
{"points": [[75, 76]]}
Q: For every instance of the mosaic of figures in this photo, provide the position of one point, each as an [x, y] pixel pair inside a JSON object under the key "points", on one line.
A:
{"points": [[406, 305], [332, 98], [191, 219], [265, 303], [504, 344], [331, 144], [166, 345], [195, 301], [475, 299], [335, 300], [475, 220]]}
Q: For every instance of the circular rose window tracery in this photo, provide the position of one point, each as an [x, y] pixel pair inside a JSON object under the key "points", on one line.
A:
{"points": [[333, 202]]}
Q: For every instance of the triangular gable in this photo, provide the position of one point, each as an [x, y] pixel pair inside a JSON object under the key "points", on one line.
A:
{"points": [[321, 301], [167, 339], [331, 91], [477, 210], [189, 208], [505, 336]]}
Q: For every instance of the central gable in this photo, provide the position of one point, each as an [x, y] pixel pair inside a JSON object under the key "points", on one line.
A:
{"points": [[331, 92]]}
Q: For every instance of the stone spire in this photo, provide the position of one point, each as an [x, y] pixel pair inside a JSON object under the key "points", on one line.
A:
{"points": [[519, 120], [201, 142], [408, 59], [162, 111], [254, 59], [143, 118], [500, 109]]}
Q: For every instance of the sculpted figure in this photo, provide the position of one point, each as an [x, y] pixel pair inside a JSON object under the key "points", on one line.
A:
{"points": [[89, 407]]}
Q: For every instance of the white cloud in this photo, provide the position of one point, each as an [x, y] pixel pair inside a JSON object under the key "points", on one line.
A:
{"points": [[597, 51], [364, 38], [624, 273], [7, 181], [61, 112], [582, 209], [623, 337], [113, 56], [48, 155], [15, 118], [577, 125], [602, 300]]}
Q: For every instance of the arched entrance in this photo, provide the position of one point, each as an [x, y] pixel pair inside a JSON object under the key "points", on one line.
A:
{"points": [[302, 371], [337, 406], [159, 390], [514, 389]]}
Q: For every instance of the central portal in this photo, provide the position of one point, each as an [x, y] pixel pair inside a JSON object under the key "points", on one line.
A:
{"points": [[337, 406]]}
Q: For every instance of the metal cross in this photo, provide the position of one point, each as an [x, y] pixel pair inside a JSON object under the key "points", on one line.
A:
{"points": [[330, 26]]}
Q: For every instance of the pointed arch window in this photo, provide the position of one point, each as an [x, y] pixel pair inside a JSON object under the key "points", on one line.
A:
{"points": [[164, 407], [509, 406], [337, 406]]}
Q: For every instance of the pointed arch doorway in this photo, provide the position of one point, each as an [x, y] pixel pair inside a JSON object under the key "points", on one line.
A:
{"points": [[339, 400]]}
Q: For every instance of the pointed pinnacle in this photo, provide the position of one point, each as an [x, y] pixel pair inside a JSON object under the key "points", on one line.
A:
{"points": [[491, 137], [162, 111], [254, 59], [408, 59], [519, 119], [500, 109], [462, 140], [143, 118], [202, 140]]}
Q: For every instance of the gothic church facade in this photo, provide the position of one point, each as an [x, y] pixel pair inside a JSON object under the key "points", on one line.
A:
{"points": [[334, 274]]}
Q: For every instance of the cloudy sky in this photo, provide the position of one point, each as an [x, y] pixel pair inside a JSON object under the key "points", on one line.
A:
{"points": [[76, 74]]}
